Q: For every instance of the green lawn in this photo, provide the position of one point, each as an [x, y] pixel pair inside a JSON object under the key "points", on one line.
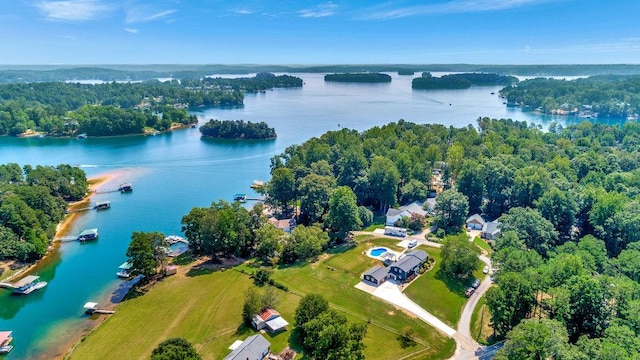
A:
{"points": [[441, 296], [483, 245], [480, 320], [205, 309]]}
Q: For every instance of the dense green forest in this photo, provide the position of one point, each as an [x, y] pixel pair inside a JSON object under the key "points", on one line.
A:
{"points": [[461, 81], [238, 129], [596, 96], [48, 73], [358, 77], [63, 109], [32, 203], [567, 199]]}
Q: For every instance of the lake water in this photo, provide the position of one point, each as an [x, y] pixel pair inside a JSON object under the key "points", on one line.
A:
{"points": [[174, 172]]}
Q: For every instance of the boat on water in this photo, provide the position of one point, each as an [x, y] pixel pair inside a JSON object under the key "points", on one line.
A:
{"points": [[28, 284], [101, 205], [257, 184], [240, 197], [126, 187], [123, 270], [88, 234], [5, 341]]}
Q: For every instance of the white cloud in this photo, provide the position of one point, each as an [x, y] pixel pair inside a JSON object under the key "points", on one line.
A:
{"points": [[243, 11], [141, 14], [322, 10], [450, 7], [131, 30], [73, 10]]}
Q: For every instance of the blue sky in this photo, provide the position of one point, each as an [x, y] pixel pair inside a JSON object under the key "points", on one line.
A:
{"points": [[319, 32]]}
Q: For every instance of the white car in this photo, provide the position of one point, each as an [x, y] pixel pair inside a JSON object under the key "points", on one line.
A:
{"points": [[486, 269]]}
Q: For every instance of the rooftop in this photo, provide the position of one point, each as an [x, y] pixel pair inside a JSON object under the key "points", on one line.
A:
{"points": [[252, 348]]}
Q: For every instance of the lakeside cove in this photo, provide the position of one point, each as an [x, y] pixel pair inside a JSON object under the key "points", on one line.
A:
{"points": [[176, 171]]}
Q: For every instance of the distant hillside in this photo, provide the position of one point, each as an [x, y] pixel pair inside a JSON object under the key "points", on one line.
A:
{"points": [[358, 78]]}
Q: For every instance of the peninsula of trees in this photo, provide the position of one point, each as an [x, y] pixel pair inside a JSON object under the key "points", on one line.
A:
{"points": [[32, 203], [238, 129], [461, 81], [593, 97], [358, 78], [65, 109]]}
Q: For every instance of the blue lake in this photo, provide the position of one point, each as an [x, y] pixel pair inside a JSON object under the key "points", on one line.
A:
{"points": [[174, 172]]}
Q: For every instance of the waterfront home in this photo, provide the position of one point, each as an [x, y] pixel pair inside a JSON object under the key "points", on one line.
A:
{"points": [[269, 319], [395, 214], [408, 265], [254, 347], [286, 225]]}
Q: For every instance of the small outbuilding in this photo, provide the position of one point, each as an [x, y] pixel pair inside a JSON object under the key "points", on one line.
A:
{"points": [[270, 320], [254, 347]]}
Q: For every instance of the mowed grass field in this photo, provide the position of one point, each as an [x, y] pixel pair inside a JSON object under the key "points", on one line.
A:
{"points": [[441, 296], [206, 310]]}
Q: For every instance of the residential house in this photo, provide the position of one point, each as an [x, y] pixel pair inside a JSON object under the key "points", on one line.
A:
{"points": [[254, 347], [286, 225], [475, 222], [408, 265], [491, 230], [376, 275], [407, 210], [269, 319]]}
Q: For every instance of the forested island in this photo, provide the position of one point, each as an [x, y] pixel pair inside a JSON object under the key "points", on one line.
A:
{"points": [[238, 130], [48, 73], [66, 109], [358, 78], [33, 202], [461, 81], [593, 97]]}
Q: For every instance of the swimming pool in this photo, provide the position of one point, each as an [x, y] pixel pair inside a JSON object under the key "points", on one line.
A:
{"points": [[378, 251]]}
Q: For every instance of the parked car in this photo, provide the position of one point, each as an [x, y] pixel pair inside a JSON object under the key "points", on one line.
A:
{"points": [[486, 269], [469, 292], [412, 244], [476, 283]]}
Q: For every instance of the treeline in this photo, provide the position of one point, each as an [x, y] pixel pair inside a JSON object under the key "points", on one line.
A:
{"points": [[597, 96], [65, 108], [32, 203], [461, 81], [358, 77], [228, 230], [238, 129], [261, 82]]}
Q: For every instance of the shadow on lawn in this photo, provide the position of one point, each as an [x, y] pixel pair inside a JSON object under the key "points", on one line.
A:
{"points": [[456, 285]]}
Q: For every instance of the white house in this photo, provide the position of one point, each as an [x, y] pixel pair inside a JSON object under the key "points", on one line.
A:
{"points": [[491, 230], [475, 222], [407, 210]]}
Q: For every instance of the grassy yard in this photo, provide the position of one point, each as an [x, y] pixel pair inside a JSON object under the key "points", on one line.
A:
{"points": [[441, 296], [205, 309], [483, 245], [480, 319], [335, 275]]}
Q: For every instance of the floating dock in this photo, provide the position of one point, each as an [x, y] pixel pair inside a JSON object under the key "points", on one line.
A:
{"points": [[88, 234], [91, 308]]}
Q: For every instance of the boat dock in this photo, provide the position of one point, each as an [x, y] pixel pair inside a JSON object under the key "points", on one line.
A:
{"points": [[100, 205], [91, 308], [122, 188]]}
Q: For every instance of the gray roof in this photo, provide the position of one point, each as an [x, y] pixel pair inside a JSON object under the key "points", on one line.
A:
{"points": [[394, 212], [378, 272], [414, 208], [492, 227], [411, 260], [252, 348], [477, 218]]}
